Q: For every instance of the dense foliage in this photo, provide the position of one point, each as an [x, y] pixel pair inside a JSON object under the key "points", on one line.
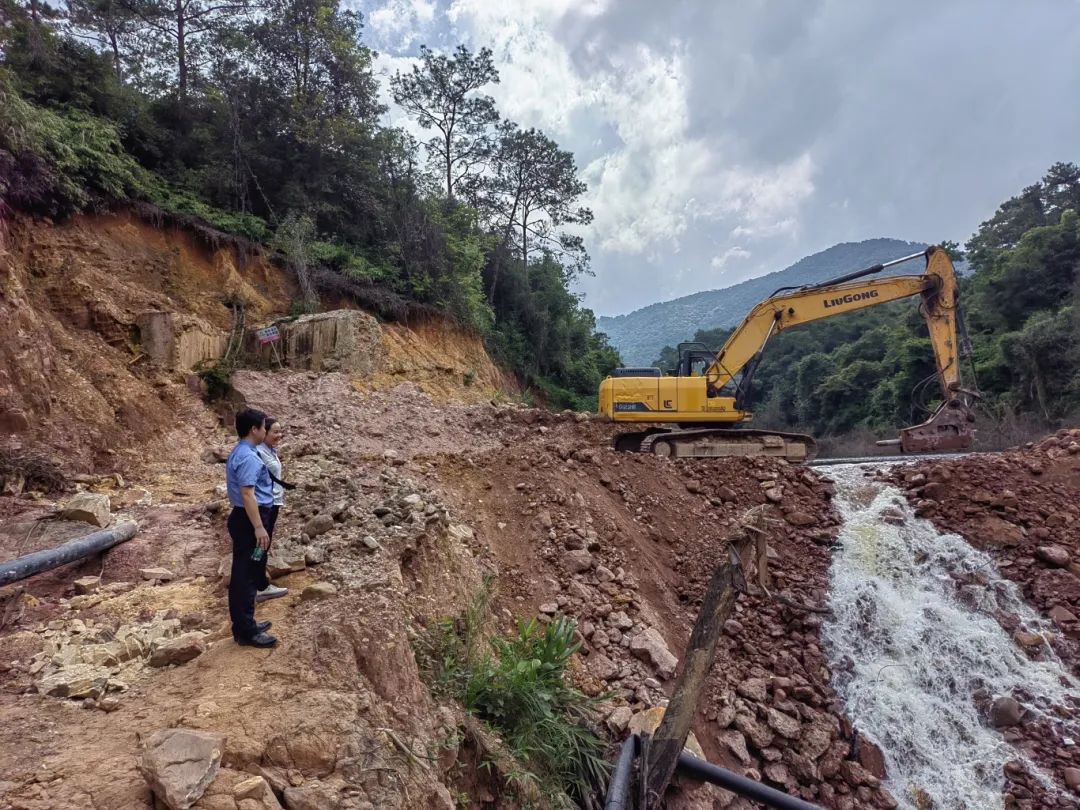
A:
{"points": [[874, 369], [261, 119]]}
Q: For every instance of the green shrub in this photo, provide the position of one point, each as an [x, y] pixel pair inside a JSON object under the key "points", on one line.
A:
{"points": [[178, 201], [59, 162], [216, 377], [518, 686]]}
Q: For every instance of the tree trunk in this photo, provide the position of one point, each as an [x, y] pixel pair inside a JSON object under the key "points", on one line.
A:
{"points": [[181, 51], [116, 56], [698, 659], [449, 168], [35, 12], [525, 244]]}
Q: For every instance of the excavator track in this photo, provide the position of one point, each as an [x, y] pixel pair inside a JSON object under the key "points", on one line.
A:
{"points": [[710, 442]]}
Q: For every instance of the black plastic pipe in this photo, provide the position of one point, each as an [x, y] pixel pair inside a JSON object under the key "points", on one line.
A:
{"points": [[30, 564], [707, 772], [618, 795]]}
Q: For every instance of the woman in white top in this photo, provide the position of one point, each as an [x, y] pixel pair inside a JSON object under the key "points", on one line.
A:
{"points": [[267, 451]]}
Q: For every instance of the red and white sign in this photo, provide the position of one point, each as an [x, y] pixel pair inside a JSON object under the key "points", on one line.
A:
{"points": [[271, 334]]}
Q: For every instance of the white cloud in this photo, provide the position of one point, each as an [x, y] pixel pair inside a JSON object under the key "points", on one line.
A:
{"points": [[539, 85], [399, 23], [731, 254], [657, 183]]}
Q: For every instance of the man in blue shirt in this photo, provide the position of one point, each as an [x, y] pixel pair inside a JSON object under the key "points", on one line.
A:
{"points": [[251, 495]]}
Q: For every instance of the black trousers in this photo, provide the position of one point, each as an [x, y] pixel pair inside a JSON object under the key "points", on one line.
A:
{"points": [[247, 574], [269, 519]]}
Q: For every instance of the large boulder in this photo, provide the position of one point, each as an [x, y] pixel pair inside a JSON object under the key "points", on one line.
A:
{"points": [[75, 681], [650, 646], [312, 796], [256, 792], [343, 340], [284, 558], [1053, 555], [179, 764], [88, 507], [1005, 712], [320, 524], [179, 650]]}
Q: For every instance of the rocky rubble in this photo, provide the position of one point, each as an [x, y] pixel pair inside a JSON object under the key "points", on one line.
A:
{"points": [[625, 545], [1021, 508], [87, 659]]}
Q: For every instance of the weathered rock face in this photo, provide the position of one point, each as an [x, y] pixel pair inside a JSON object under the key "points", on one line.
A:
{"points": [[179, 764], [88, 507], [343, 340], [179, 342]]}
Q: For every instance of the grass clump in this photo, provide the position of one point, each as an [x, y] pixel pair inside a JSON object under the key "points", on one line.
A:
{"points": [[518, 686]]}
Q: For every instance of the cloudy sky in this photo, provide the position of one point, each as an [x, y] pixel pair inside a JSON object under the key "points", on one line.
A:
{"points": [[723, 140]]}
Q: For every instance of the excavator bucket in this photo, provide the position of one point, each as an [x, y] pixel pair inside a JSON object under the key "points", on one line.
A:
{"points": [[950, 429]]}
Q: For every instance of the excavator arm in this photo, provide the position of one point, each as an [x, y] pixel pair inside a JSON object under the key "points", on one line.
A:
{"points": [[950, 426]]}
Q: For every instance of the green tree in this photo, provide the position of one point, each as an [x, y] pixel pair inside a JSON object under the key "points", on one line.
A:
{"points": [[179, 31], [442, 93], [532, 191], [108, 25]]}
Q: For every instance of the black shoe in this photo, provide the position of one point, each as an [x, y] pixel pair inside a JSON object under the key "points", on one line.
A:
{"points": [[258, 640], [262, 627]]}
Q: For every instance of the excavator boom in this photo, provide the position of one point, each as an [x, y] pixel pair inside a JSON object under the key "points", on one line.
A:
{"points": [[711, 392]]}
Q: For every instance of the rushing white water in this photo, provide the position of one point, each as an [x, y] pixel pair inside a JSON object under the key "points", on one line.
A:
{"points": [[910, 647]]}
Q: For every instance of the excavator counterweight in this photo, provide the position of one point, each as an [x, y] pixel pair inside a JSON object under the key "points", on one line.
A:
{"points": [[699, 410]]}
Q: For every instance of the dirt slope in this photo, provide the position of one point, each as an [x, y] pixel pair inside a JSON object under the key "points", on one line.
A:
{"points": [[415, 489], [624, 545], [75, 377]]}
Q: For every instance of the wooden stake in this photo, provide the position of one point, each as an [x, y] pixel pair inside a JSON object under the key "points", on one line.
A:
{"points": [[723, 589]]}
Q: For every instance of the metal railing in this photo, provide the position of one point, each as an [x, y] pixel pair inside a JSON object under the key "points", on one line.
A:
{"points": [[618, 795]]}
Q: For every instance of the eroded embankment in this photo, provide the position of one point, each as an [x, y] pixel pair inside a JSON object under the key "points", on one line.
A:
{"points": [[406, 504]]}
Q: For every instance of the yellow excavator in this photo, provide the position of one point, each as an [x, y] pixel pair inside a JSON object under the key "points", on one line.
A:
{"points": [[695, 411]]}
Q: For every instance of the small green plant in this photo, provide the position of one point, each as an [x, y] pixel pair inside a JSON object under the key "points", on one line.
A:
{"points": [[216, 376], [298, 307], [518, 686], [469, 378]]}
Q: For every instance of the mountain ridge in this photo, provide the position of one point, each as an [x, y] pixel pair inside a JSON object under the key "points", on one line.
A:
{"points": [[640, 335]]}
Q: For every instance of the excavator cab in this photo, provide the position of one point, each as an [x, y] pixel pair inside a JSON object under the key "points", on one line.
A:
{"points": [[694, 360]]}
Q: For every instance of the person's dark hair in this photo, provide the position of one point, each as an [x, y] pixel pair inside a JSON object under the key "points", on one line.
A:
{"points": [[247, 420], [269, 423]]}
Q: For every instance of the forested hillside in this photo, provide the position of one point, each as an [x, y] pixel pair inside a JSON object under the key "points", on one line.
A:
{"points": [[259, 122], [639, 335], [874, 369]]}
